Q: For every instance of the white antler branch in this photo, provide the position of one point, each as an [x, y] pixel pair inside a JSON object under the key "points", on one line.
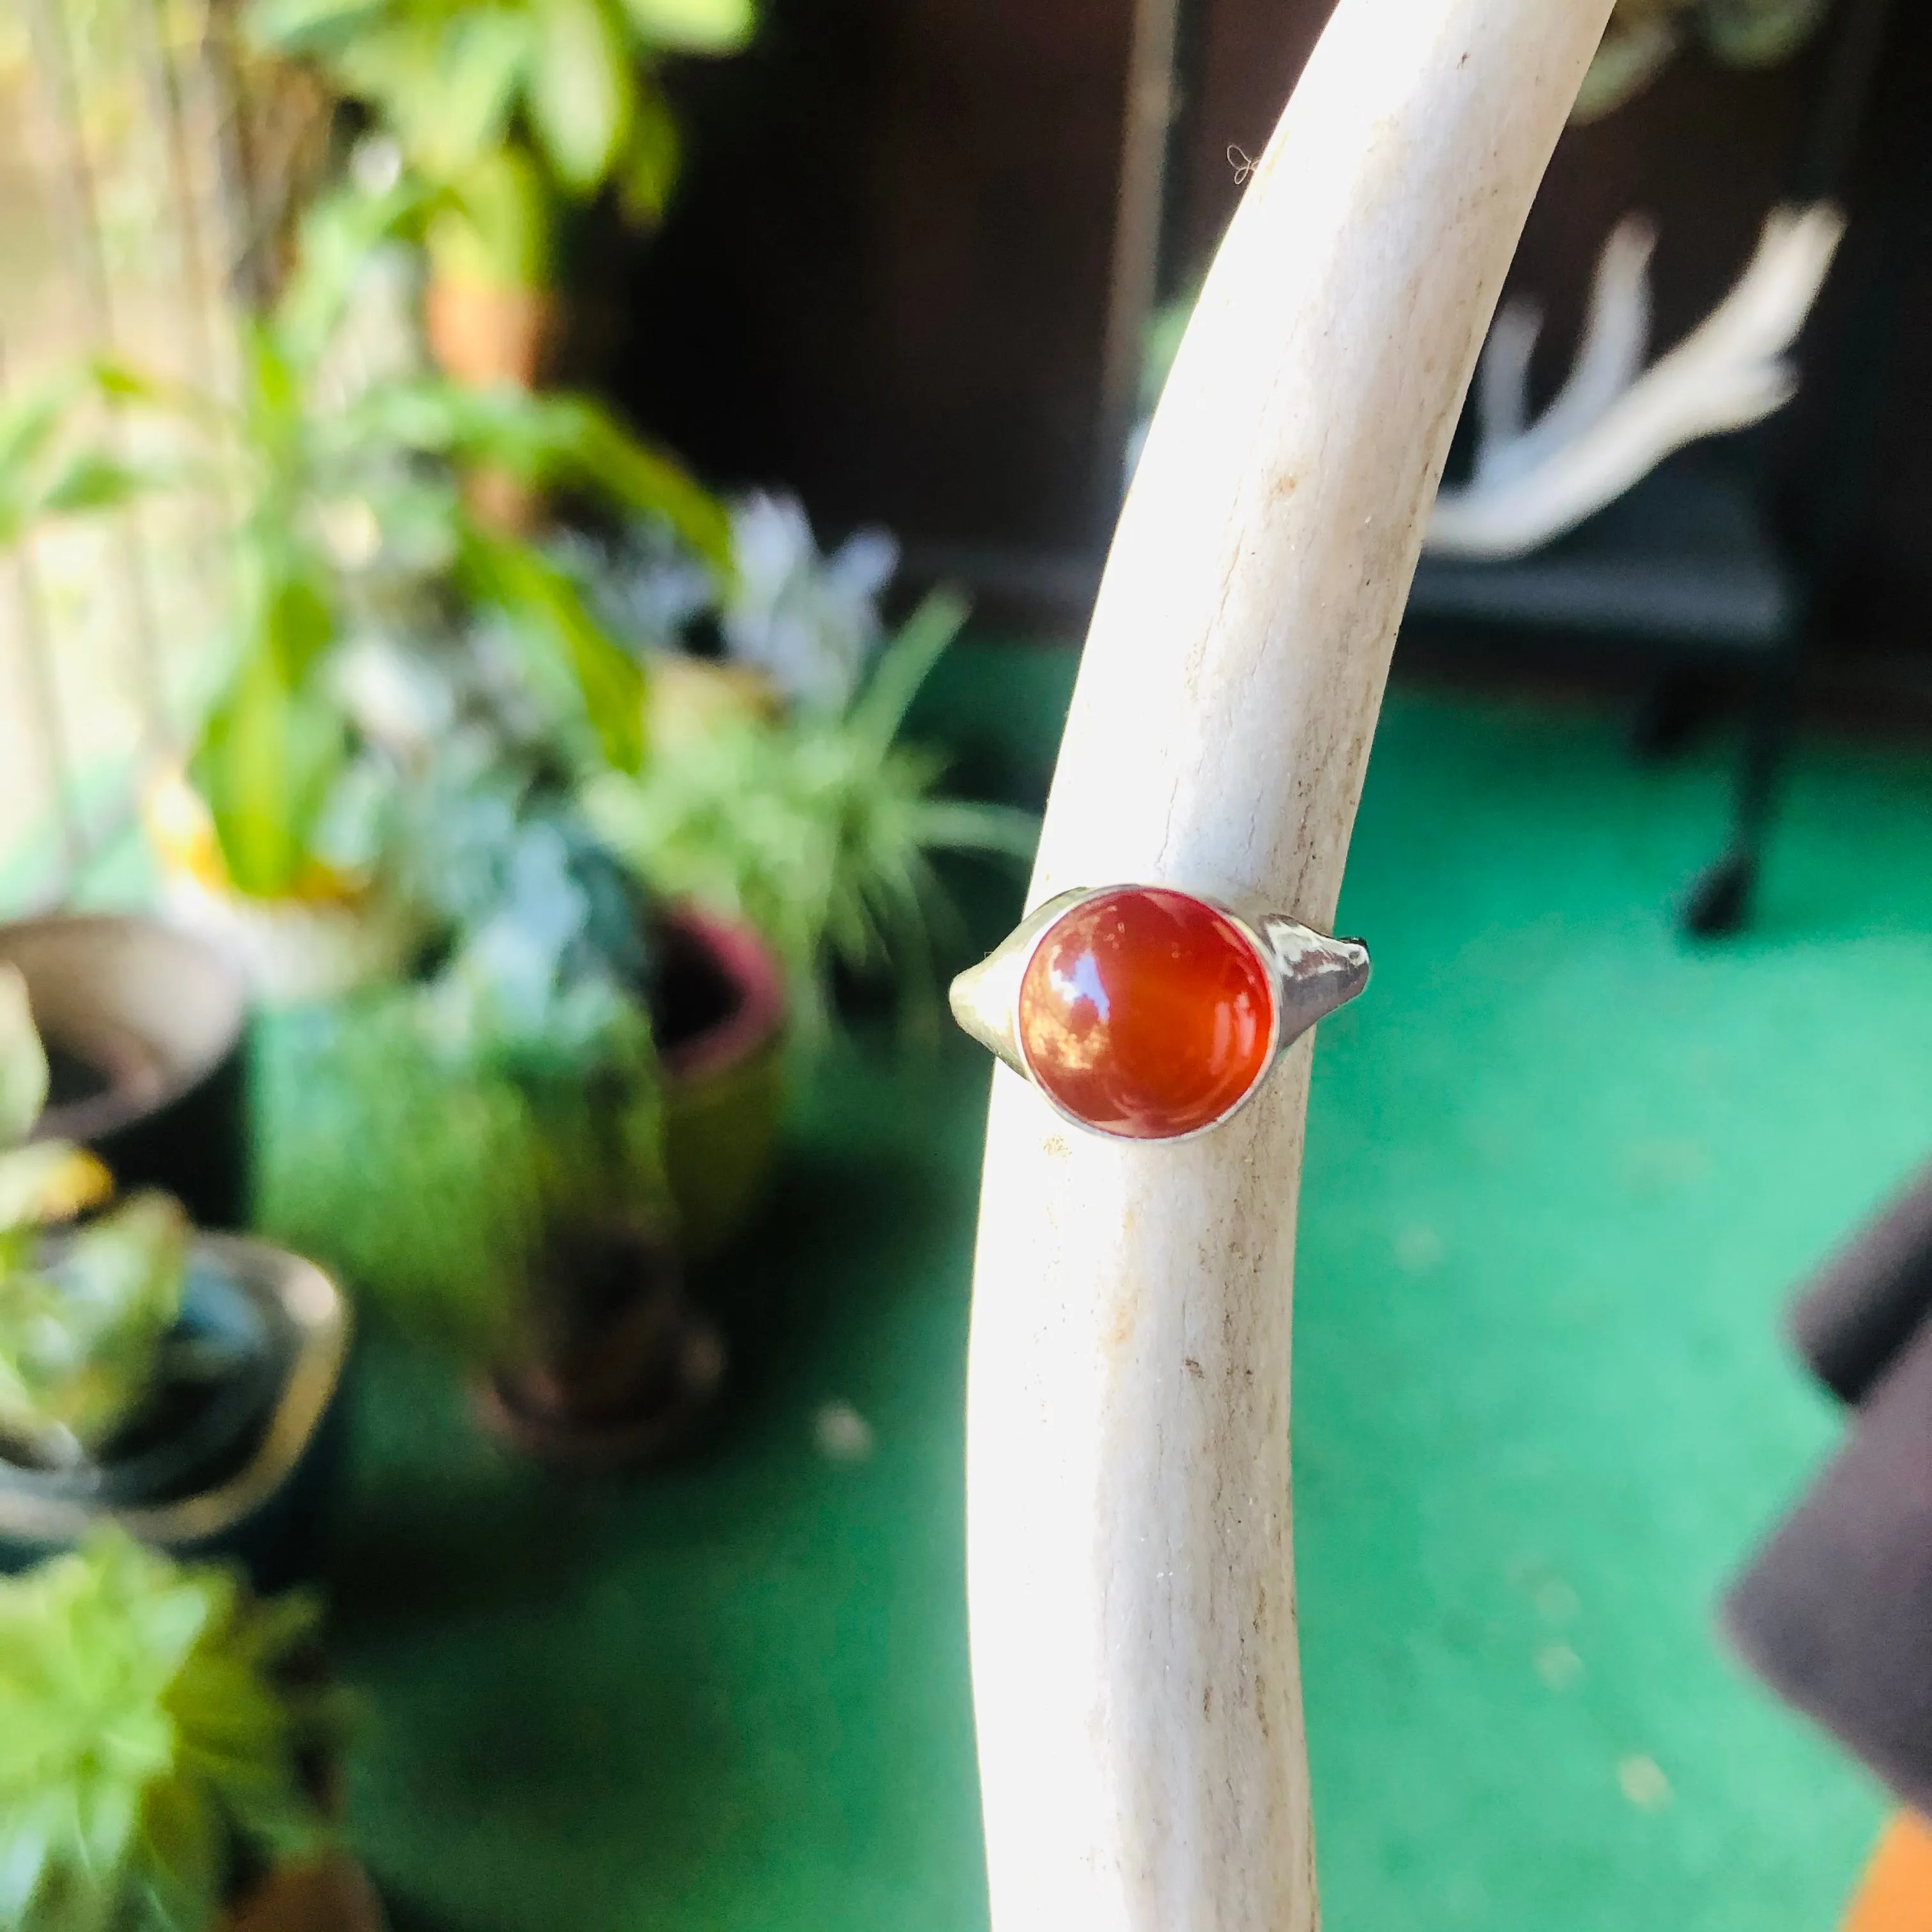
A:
{"points": [[1134, 1656], [1614, 420]]}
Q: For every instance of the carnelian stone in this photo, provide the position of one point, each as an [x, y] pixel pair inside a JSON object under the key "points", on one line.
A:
{"points": [[1146, 1013]]}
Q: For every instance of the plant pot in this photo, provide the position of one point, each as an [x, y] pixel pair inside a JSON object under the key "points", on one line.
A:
{"points": [[483, 334], [333, 935], [145, 1029], [621, 1368], [720, 1014], [326, 1890], [246, 1473], [328, 1893], [197, 1427], [291, 951]]}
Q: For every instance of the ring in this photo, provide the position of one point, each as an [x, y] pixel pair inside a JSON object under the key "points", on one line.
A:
{"points": [[1147, 1014]]}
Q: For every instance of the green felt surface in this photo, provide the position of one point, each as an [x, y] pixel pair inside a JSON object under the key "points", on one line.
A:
{"points": [[1562, 1169]]}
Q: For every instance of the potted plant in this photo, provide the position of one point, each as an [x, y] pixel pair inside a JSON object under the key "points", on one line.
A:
{"points": [[144, 1028], [180, 1384], [361, 572], [165, 1754], [777, 796], [796, 806], [495, 1181], [486, 1149], [509, 113], [816, 828], [396, 753]]}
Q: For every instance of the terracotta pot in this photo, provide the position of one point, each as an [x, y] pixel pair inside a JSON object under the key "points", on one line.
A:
{"points": [[328, 1893], [621, 1368], [484, 333], [721, 1045]]}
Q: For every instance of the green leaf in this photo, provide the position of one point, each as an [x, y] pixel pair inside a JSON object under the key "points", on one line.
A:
{"points": [[484, 53], [80, 1343], [29, 428], [693, 26], [647, 170], [339, 234], [413, 416], [183, 1849], [563, 643], [1629, 58], [968, 825], [391, 65], [123, 382], [497, 226], [272, 750], [272, 395], [90, 481], [23, 1063], [306, 26], [545, 441], [581, 91], [28, 425], [904, 666], [150, 1743], [1758, 33], [591, 450]]}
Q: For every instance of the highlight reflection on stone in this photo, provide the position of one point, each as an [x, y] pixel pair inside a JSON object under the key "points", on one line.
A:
{"points": [[1146, 1013]]}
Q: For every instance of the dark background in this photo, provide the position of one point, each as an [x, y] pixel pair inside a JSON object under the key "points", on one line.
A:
{"points": [[885, 281]]}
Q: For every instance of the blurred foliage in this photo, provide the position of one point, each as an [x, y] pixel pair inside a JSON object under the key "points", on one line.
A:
{"points": [[81, 1326], [151, 1741], [1644, 34], [432, 1182], [500, 107], [809, 624], [82, 1319], [23, 1060], [47, 469], [816, 826], [351, 519]]}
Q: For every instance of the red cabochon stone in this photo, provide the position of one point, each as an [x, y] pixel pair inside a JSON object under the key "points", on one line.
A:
{"points": [[1145, 1013]]}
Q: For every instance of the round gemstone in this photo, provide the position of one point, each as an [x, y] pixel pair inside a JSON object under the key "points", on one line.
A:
{"points": [[1146, 1013]]}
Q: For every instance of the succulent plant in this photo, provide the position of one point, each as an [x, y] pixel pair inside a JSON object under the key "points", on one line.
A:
{"points": [[152, 1741], [83, 1315], [817, 825], [81, 1326]]}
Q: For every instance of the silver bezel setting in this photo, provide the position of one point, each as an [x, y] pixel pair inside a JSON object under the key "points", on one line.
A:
{"points": [[1310, 974]]}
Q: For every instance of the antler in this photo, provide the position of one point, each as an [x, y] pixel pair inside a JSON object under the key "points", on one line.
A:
{"points": [[1614, 420], [1134, 1662]]}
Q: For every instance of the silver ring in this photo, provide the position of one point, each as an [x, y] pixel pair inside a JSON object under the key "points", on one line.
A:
{"points": [[1147, 1013]]}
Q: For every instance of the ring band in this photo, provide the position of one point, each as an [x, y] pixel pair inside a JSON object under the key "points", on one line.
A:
{"points": [[1145, 1013]]}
